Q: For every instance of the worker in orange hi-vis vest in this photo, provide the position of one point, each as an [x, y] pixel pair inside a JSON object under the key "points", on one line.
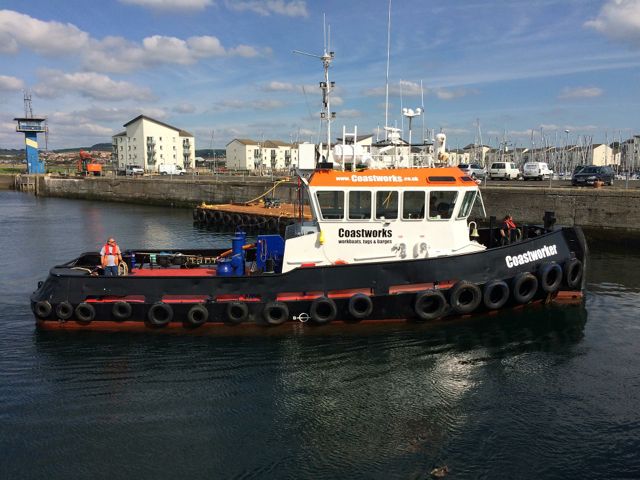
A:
{"points": [[111, 257]]}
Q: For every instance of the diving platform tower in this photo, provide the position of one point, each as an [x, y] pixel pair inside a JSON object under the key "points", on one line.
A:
{"points": [[31, 126]]}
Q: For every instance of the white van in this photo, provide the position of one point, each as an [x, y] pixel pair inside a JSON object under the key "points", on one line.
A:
{"points": [[171, 169], [132, 170], [536, 171], [504, 171]]}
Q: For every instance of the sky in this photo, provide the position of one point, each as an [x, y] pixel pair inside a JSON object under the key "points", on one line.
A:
{"points": [[495, 70]]}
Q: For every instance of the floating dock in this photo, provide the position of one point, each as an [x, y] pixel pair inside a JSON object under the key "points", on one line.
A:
{"points": [[264, 217]]}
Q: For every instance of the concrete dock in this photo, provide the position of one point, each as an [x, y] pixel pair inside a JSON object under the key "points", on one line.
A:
{"points": [[610, 211]]}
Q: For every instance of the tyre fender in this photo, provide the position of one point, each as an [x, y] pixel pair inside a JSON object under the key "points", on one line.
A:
{"points": [[360, 306], [550, 277], [495, 294], [42, 309], [430, 305], [64, 310], [524, 287], [197, 315], [85, 312], [573, 271], [236, 313], [160, 314], [323, 310], [121, 310], [275, 313], [465, 297]]}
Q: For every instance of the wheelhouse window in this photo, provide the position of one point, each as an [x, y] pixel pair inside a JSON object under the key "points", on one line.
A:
{"points": [[331, 204], [360, 205], [442, 204], [413, 205], [467, 203], [386, 205]]}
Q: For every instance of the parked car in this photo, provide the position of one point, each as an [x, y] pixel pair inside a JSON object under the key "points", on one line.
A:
{"points": [[536, 171], [171, 169], [474, 170], [588, 175], [131, 170], [504, 171]]}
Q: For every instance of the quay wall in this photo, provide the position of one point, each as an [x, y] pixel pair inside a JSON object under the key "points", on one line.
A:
{"points": [[7, 181], [596, 210]]}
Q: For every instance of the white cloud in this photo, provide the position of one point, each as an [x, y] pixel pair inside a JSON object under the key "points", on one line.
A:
{"points": [[248, 105], [293, 8], [580, 92], [404, 87], [349, 113], [170, 4], [445, 94], [18, 31], [112, 53], [336, 101], [184, 108], [10, 83], [276, 86], [88, 84], [618, 20]]}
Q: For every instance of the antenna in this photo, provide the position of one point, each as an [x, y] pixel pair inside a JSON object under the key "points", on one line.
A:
{"points": [[386, 99], [326, 86], [28, 111]]}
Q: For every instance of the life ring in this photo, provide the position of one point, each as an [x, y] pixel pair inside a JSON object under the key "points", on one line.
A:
{"points": [[430, 305], [121, 310], [323, 310], [524, 287], [237, 312], [197, 315], [275, 313], [550, 277], [42, 309], [495, 294], [465, 297], [64, 310], [85, 312], [360, 306], [573, 273], [160, 314]]}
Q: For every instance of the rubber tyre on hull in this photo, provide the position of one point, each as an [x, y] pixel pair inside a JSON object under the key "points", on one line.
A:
{"points": [[524, 287], [64, 310], [550, 277], [495, 294], [275, 313], [323, 310], [197, 315], [160, 314], [121, 310], [465, 297], [237, 312], [573, 273], [360, 306], [42, 309], [430, 305], [85, 312], [211, 217]]}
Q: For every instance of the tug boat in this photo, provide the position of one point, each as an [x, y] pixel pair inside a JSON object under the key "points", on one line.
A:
{"points": [[388, 244]]}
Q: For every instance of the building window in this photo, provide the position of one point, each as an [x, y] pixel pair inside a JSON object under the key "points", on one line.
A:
{"points": [[160, 138]]}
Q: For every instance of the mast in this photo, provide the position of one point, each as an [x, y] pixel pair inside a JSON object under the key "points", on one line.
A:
{"points": [[326, 86], [386, 99]]}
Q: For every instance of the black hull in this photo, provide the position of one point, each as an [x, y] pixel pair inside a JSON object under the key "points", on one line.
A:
{"points": [[392, 287]]}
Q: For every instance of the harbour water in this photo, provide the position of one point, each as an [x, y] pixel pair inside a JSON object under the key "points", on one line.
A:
{"points": [[542, 392]]}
